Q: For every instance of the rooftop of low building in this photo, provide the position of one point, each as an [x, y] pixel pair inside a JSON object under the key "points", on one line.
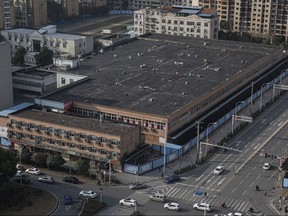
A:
{"points": [[90, 124], [159, 74]]}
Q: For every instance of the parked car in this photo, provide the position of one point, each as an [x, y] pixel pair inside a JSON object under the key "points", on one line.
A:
{"points": [[235, 214], [88, 194], [137, 185], [46, 179], [267, 166], [172, 206], [218, 170], [33, 170], [172, 179], [24, 179], [202, 206], [71, 179], [127, 202], [68, 200]]}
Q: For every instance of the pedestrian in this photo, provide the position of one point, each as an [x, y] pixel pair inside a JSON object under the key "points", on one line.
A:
{"points": [[205, 195], [162, 175]]}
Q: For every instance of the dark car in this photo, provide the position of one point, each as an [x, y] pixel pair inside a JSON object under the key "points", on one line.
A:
{"points": [[25, 180], [138, 185], [172, 179], [71, 179], [68, 200]]}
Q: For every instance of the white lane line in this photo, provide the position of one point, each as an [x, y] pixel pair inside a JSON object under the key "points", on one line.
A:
{"points": [[181, 194], [240, 207], [233, 190], [244, 192], [175, 192], [258, 177], [171, 191], [199, 178], [251, 184]]}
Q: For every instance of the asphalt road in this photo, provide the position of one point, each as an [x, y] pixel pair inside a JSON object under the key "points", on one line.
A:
{"points": [[235, 190]]}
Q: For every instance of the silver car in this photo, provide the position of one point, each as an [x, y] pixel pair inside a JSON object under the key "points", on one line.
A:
{"points": [[137, 185], [46, 179]]}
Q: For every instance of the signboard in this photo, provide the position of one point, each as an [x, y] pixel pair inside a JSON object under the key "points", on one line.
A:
{"points": [[3, 132]]}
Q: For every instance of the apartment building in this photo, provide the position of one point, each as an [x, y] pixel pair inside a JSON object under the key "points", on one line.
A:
{"points": [[177, 20], [6, 76], [34, 40], [71, 7], [6, 14], [30, 13], [259, 18], [141, 4], [95, 3]]}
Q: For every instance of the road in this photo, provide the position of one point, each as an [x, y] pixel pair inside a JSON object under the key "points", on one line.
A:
{"points": [[236, 190]]}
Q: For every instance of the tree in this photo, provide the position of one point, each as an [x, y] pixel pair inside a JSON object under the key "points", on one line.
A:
{"points": [[7, 165], [44, 57], [225, 25], [18, 58], [26, 155], [82, 167], [54, 161], [55, 11], [40, 159]]}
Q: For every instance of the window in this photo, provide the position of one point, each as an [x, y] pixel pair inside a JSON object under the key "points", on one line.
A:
{"points": [[63, 80], [103, 151]]}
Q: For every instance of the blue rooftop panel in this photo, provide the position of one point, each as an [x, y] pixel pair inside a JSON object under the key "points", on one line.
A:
{"points": [[15, 109], [189, 11], [205, 15]]}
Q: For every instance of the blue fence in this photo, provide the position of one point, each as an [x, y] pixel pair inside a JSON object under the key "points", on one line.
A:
{"points": [[173, 151]]}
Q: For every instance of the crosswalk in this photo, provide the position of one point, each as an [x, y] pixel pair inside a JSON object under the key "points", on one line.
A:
{"points": [[214, 200]]}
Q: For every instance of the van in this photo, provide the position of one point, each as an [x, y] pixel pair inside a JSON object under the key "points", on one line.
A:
{"points": [[159, 197]]}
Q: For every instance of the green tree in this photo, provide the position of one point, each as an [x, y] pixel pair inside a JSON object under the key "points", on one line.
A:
{"points": [[82, 167], [7, 165], [55, 11], [224, 25], [26, 155], [18, 58], [44, 57], [40, 159], [277, 40], [54, 161]]}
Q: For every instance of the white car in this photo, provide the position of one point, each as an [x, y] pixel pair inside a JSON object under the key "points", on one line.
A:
{"points": [[46, 179], [235, 214], [218, 170], [88, 194], [128, 202], [33, 171], [266, 166], [172, 206], [202, 206]]}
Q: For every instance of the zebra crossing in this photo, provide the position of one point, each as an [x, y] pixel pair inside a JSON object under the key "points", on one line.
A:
{"points": [[214, 200]]}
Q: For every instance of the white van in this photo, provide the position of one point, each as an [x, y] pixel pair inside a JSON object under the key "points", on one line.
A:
{"points": [[159, 197]]}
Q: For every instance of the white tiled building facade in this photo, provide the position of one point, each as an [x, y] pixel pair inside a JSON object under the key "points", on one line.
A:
{"points": [[177, 20], [34, 40]]}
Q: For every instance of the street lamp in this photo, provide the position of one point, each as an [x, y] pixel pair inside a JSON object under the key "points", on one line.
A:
{"points": [[198, 141], [236, 110], [207, 133], [101, 195], [261, 94], [20, 153]]}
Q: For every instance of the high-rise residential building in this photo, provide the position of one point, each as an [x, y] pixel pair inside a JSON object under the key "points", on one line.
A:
{"points": [[71, 7], [6, 76], [96, 3], [259, 18], [177, 20], [141, 4], [30, 13], [6, 14], [117, 4]]}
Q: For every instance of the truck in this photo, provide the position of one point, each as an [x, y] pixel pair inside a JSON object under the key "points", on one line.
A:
{"points": [[106, 31]]}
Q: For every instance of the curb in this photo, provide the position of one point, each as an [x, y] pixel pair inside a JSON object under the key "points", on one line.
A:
{"points": [[56, 206]]}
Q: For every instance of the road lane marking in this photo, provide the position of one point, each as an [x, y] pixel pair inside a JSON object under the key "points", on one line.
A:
{"points": [[181, 194], [199, 177], [219, 183], [258, 177]]}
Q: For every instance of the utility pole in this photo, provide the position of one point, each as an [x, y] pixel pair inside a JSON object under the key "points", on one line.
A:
{"points": [[198, 142]]}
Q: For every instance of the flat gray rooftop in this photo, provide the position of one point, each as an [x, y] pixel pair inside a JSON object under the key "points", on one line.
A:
{"points": [[75, 122], [159, 74]]}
